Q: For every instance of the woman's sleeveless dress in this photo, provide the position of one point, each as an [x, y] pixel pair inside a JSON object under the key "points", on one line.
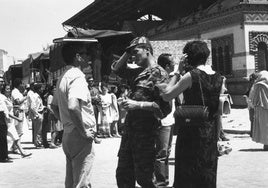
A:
{"points": [[196, 146]]}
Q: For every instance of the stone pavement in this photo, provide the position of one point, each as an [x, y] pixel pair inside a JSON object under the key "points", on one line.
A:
{"points": [[237, 121], [245, 166]]}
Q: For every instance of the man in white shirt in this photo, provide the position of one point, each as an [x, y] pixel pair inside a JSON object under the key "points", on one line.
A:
{"points": [[69, 100], [30, 99], [37, 109], [165, 132]]}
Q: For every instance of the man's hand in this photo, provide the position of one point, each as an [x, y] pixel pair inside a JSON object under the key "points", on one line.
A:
{"points": [[162, 87], [129, 104]]}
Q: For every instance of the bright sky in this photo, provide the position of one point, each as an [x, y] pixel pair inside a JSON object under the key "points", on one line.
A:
{"points": [[26, 26]]}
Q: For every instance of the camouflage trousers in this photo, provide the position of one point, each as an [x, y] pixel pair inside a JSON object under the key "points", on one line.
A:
{"points": [[136, 157]]}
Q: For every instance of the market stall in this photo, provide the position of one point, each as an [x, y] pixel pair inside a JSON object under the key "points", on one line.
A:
{"points": [[108, 44]]}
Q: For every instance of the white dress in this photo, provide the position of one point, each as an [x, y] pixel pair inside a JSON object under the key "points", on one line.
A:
{"points": [[106, 101], [259, 100]]}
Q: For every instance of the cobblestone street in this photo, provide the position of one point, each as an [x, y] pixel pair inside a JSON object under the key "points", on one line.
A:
{"points": [[245, 166]]}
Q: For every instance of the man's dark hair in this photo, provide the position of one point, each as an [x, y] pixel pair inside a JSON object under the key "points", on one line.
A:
{"points": [[17, 82], [37, 87], [31, 85], [197, 52], [164, 60], [69, 51]]}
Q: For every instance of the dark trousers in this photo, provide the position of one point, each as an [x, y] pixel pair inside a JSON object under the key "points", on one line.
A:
{"points": [[251, 118], [96, 113], [136, 161], [3, 137], [45, 129], [163, 147], [136, 156], [37, 130]]}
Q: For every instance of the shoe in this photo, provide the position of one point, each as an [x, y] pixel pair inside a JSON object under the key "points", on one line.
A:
{"points": [[227, 150], [162, 184], [26, 155], [52, 146], [225, 139], [6, 161], [97, 141], [59, 145], [37, 145], [15, 152], [46, 146], [117, 136], [224, 150]]}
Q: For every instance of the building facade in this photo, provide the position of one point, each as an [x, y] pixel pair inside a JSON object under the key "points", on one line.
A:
{"points": [[237, 29], [5, 60]]}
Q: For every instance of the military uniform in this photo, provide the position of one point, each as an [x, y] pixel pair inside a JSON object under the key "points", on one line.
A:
{"points": [[137, 149]]}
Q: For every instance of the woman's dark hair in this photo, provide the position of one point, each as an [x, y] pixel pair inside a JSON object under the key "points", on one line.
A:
{"points": [[114, 89], [17, 82], [37, 87], [3, 88], [104, 84], [197, 52], [69, 51]]}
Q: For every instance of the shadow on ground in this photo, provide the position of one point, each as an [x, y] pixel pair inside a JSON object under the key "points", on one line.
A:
{"points": [[32, 148], [26, 143], [253, 150]]}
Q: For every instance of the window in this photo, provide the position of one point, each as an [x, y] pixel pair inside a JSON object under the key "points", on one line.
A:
{"points": [[262, 56], [222, 51]]}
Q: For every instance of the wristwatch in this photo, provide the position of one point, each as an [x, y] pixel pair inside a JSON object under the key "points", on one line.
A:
{"points": [[177, 74]]}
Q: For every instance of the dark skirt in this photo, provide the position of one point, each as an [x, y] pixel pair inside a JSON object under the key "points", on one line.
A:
{"points": [[196, 155], [3, 137]]}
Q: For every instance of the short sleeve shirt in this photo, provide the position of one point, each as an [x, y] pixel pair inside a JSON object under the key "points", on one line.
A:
{"points": [[72, 84]]}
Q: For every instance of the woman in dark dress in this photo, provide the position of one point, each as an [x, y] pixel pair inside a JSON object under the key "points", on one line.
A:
{"points": [[196, 147]]}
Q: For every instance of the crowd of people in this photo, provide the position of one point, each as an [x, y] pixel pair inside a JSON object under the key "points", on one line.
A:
{"points": [[25, 107], [146, 111]]}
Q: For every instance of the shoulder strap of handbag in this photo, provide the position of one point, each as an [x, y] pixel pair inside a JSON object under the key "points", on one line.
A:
{"points": [[202, 95]]}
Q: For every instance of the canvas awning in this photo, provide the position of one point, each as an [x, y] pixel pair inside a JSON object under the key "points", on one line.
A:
{"points": [[38, 57], [105, 37], [89, 35]]}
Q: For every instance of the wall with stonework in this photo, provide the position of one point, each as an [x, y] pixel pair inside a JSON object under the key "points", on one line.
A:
{"points": [[175, 48], [261, 35], [239, 59]]}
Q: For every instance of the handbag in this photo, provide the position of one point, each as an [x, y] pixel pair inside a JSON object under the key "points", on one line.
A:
{"points": [[193, 111]]}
